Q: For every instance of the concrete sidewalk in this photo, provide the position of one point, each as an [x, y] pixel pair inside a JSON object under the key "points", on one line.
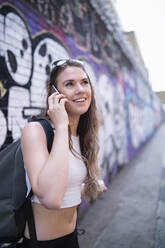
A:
{"points": [[131, 214]]}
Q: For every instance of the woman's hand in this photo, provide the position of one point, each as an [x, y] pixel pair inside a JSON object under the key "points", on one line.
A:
{"points": [[56, 110], [102, 186]]}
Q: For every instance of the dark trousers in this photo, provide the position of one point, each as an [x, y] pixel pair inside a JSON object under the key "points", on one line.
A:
{"points": [[67, 241]]}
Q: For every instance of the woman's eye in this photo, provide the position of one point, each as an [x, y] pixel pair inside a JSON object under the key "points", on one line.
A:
{"points": [[85, 82], [69, 84]]}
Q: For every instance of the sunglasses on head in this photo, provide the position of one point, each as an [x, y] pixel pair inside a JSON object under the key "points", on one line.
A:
{"points": [[60, 62]]}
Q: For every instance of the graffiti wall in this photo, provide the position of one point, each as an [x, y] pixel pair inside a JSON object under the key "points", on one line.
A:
{"points": [[35, 33]]}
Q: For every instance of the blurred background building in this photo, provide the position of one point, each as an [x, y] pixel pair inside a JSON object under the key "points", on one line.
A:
{"points": [[131, 37], [161, 96]]}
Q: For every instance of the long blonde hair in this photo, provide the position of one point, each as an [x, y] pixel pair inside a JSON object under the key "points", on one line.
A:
{"points": [[87, 130]]}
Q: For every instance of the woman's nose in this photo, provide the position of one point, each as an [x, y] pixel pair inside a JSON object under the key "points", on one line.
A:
{"points": [[79, 88]]}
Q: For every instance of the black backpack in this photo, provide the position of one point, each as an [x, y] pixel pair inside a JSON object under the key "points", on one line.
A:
{"points": [[14, 206]]}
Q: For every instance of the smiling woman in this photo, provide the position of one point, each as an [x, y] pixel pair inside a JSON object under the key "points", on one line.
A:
{"points": [[60, 177], [75, 86]]}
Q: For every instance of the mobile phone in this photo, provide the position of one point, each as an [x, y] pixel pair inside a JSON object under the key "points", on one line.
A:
{"points": [[54, 89]]}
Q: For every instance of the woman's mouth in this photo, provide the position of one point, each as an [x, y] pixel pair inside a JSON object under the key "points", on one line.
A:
{"points": [[80, 100]]}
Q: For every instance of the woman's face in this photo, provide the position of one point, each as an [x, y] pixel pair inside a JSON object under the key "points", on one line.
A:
{"points": [[74, 84]]}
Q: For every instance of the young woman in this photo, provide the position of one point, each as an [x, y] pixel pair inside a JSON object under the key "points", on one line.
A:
{"points": [[57, 178]]}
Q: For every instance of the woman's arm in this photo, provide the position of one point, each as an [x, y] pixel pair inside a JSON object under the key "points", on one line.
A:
{"points": [[48, 173]]}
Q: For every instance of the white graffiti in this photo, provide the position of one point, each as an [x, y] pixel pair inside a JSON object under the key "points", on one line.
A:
{"points": [[127, 77], [106, 133], [17, 49], [18, 99], [135, 122], [120, 117], [141, 121], [148, 123], [3, 128], [45, 53], [142, 89], [2, 35]]}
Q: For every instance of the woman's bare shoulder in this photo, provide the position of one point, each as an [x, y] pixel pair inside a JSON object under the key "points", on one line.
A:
{"points": [[32, 131]]}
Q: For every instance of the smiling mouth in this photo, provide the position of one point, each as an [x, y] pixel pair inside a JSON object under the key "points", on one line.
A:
{"points": [[80, 100]]}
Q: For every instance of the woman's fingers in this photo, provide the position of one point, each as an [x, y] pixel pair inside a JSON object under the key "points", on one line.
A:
{"points": [[63, 100], [56, 110], [102, 185], [56, 98], [51, 100]]}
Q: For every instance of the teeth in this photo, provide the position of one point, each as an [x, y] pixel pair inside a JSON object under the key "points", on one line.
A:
{"points": [[80, 100]]}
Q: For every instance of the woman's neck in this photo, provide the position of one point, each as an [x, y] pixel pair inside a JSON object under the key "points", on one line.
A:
{"points": [[73, 123]]}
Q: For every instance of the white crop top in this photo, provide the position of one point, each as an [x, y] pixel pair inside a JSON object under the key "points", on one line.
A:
{"points": [[77, 175]]}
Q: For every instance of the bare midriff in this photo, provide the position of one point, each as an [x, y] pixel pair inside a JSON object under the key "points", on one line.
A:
{"points": [[51, 224]]}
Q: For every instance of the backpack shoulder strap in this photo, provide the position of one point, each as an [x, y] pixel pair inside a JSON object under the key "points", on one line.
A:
{"points": [[48, 131], [45, 123]]}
